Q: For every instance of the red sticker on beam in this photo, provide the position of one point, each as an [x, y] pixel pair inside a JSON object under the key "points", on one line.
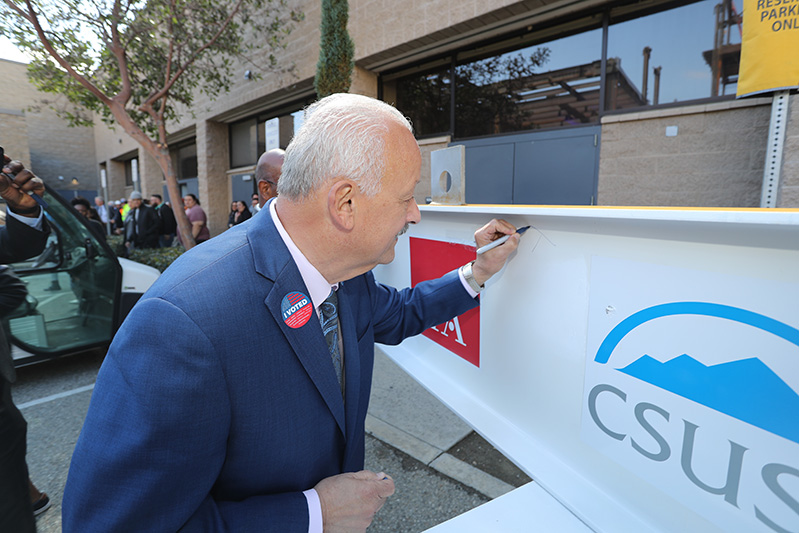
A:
{"points": [[430, 260]]}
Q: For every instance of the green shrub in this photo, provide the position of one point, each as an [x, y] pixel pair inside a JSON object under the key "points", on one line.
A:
{"points": [[159, 258]]}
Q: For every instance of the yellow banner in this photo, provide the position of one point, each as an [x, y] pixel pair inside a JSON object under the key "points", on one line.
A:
{"points": [[769, 45]]}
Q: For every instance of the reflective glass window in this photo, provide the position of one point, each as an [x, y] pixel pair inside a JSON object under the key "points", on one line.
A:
{"points": [[546, 85], [426, 100], [187, 161], [243, 143], [686, 53]]}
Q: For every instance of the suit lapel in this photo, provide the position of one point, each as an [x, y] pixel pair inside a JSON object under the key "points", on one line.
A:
{"points": [[273, 261]]}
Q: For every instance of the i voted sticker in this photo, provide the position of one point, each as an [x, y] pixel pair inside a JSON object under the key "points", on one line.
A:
{"points": [[296, 309]]}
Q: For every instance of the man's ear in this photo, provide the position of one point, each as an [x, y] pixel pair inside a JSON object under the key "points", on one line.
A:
{"points": [[340, 204], [263, 192]]}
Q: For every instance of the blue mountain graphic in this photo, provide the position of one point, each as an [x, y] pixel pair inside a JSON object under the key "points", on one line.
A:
{"points": [[746, 389]]}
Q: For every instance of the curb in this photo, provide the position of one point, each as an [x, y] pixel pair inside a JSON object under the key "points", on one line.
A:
{"points": [[437, 459]]}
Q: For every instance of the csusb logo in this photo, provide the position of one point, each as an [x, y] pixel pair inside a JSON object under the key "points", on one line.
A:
{"points": [[722, 438]]}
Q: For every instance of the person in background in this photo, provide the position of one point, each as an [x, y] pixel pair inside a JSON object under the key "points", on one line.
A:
{"points": [[241, 214], [169, 225], [267, 174], [82, 206], [197, 218], [231, 216], [102, 210], [117, 224], [254, 207], [141, 225], [23, 236]]}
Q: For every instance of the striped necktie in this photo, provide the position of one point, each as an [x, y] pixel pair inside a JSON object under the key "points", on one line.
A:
{"points": [[329, 310]]}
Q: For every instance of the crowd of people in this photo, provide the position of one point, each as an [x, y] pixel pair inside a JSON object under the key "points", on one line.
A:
{"points": [[151, 223]]}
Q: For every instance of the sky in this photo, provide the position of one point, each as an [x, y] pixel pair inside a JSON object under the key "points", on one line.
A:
{"points": [[9, 51]]}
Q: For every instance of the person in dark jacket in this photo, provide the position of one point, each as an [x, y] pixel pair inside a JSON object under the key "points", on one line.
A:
{"points": [[166, 216], [23, 236], [141, 225], [241, 214], [82, 206]]}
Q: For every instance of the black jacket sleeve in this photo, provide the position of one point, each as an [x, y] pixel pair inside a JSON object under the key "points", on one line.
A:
{"points": [[18, 241]]}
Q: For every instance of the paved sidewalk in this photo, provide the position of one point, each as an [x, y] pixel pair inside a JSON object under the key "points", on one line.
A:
{"points": [[404, 415]]}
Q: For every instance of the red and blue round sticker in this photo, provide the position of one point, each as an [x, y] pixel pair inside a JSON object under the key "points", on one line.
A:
{"points": [[296, 309]]}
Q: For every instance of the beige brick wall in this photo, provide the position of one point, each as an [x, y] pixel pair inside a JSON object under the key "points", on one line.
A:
{"points": [[715, 160], [14, 135], [789, 192], [111, 142], [376, 25], [53, 148]]}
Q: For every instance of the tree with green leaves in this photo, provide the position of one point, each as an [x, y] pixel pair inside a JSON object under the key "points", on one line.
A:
{"points": [[334, 69], [140, 63]]}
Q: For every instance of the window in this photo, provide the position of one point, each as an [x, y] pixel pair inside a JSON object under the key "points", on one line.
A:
{"points": [[689, 52], [248, 136], [546, 85], [185, 159], [131, 170], [243, 143], [551, 77], [426, 100]]}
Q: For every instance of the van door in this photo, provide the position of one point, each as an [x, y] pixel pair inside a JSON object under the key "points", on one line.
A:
{"points": [[73, 290]]}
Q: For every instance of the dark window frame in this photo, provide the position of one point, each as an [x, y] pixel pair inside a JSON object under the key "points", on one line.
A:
{"points": [[603, 17]]}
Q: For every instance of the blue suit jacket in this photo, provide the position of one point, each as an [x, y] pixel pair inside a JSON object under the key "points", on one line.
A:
{"points": [[211, 414]]}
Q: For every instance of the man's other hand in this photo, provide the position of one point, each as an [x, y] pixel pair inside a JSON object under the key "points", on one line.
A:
{"points": [[349, 501], [492, 261], [15, 192]]}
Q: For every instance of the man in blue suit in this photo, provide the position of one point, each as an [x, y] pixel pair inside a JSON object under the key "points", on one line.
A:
{"points": [[213, 413]]}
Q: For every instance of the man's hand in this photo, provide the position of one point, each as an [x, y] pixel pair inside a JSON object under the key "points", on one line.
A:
{"points": [[492, 261], [350, 501], [15, 192]]}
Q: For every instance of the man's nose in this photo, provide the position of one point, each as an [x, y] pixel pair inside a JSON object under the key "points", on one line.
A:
{"points": [[414, 215]]}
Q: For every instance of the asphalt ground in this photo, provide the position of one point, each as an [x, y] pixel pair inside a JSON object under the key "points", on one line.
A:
{"points": [[440, 467]]}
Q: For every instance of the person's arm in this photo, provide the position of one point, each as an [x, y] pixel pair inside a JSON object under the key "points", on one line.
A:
{"points": [[12, 291], [156, 437], [196, 228], [402, 314]]}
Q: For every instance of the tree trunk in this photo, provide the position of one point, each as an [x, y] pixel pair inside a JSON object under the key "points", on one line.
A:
{"points": [[159, 152], [184, 226]]}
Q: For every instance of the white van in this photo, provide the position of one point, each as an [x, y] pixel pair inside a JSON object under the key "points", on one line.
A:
{"points": [[79, 291]]}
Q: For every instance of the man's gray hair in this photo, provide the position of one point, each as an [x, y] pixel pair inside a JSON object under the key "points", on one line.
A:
{"points": [[343, 135]]}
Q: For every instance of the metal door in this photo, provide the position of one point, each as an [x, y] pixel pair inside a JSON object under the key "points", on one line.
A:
{"points": [[557, 167]]}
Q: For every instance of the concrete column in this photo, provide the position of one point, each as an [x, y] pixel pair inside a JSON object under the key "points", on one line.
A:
{"points": [[152, 179], [116, 180], [364, 82], [213, 161], [789, 191]]}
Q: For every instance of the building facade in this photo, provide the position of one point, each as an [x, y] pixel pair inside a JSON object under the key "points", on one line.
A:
{"points": [[565, 102], [31, 131]]}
